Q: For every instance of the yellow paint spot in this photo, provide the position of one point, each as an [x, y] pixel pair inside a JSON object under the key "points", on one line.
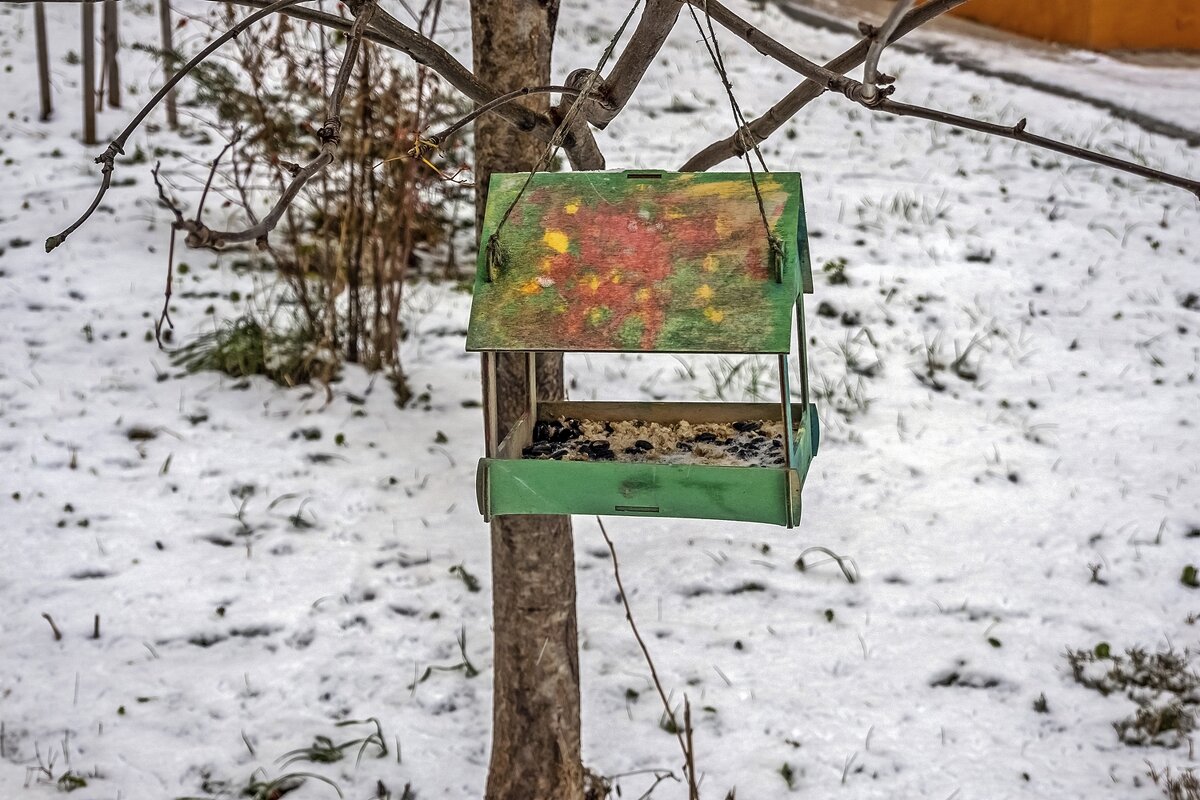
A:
{"points": [[593, 282], [721, 223], [643, 295], [728, 190], [547, 265], [596, 316], [705, 292], [532, 287], [571, 208], [711, 263], [714, 314], [556, 241], [616, 276]]}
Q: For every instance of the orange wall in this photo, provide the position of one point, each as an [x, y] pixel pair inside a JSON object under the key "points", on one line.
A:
{"points": [[1096, 24]]}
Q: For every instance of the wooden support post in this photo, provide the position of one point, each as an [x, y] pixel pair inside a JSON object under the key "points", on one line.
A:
{"points": [[803, 351], [492, 433], [785, 401], [43, 59], [531, 369], [89, 72], [168, 49], [111, 44]]}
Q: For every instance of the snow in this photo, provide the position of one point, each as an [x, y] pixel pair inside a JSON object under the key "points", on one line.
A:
{"points": [[254, 587]]}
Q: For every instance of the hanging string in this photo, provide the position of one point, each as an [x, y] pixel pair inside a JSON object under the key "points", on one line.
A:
{"points": [[494, 255], [745, 138]]}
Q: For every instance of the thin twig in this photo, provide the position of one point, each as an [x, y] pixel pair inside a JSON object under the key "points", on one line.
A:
{"points": [[53, 627], [439, 138], [659, 777], [237, 134], [662, 694], [690, 768], [165, 316], [772, 48]]}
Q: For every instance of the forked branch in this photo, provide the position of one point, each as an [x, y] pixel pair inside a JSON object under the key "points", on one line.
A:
{"points": [[809, 90], [879, 41], [877, 99]]}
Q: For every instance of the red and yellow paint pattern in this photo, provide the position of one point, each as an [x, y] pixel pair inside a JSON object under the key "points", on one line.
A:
{"points": [[606, 261]]}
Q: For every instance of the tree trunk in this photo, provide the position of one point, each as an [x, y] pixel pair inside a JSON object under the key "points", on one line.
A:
{"points": [[535, 716]]}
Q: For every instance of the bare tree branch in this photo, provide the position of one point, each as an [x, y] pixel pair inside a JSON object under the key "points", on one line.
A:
{"points": [[579, 143], [1018, 133], [330, 136], [117, 147], [605, 102], [581, 146], [877, 99], [761, 128], [772, 48]]}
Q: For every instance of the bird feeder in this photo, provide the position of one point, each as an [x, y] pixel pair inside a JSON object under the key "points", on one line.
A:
{"points": [[650, 262]]}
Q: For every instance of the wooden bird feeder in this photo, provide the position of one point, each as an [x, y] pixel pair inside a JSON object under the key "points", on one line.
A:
{"points": [[650, 262]]}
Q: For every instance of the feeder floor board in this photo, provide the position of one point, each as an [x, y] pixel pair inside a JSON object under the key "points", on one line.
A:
{"points": [[511, 484], [747, 443], [752, 494]]}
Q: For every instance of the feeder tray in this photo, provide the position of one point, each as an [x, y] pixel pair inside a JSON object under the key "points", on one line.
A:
{"points": [[651, 262]]}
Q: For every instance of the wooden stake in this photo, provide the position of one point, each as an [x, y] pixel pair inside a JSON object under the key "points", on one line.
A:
{"points": [[164, 20], [43, 58], [111, 44], [89, 72]]}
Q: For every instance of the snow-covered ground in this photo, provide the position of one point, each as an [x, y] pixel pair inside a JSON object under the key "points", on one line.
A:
{"points": [[256, 587]]}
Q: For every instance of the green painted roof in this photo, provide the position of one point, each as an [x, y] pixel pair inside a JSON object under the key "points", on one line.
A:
{"points": [[640, 261]]}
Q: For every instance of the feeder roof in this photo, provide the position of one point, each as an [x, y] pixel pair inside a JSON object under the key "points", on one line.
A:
{"points": [[640, 261]]}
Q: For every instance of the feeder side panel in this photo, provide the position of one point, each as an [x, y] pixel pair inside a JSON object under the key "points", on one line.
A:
{"points": [[805, 271]]}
